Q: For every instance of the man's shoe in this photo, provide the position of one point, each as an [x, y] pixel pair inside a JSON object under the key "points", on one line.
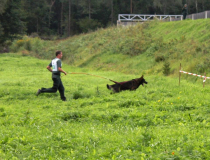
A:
{"points": [[64, 100], [38, 92]]}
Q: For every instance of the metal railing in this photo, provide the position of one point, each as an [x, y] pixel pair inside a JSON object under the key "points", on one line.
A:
{"points": [[145, 17]]}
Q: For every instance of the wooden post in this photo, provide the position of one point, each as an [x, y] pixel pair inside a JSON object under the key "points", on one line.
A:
{"points": [[180, 73], [204, 80]]}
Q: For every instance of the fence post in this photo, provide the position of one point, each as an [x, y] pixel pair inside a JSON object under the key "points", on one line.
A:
{"points": [[180, 73], [206, 15], [204, 80], [181, 18], [192, 16]]}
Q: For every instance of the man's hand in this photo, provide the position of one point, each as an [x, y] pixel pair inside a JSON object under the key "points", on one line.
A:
{"points": [[61, 70], [49, 68]]}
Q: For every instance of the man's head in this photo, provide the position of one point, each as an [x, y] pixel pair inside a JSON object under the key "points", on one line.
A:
{"points": [[59, 54]]}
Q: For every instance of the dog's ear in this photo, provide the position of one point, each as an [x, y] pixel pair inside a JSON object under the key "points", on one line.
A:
{"points": [[142, 76]]}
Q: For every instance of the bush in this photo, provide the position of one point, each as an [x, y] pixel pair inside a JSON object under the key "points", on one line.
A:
{"points": [[21, 44]]}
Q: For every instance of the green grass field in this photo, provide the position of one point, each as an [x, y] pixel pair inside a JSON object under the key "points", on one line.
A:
{"points": [[161, 120]]}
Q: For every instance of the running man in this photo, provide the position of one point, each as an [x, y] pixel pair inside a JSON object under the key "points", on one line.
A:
{"points": [[55, 67]]}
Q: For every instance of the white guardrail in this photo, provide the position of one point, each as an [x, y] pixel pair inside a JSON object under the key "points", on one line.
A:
{"points": [[145, 17]]}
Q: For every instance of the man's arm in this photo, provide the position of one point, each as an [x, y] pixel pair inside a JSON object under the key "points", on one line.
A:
{"points": [[49, 68], [61, 70]]}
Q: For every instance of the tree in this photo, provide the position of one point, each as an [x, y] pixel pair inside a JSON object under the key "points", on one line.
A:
{"points": [[2, 8], [167, 6], [13, 19], [2, 5]]}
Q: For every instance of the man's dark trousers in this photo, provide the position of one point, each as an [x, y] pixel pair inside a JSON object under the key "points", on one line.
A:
{"points": [[184, 15], [57, 85]]}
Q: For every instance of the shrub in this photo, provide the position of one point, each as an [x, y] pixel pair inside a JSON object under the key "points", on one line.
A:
{"points": [[166, 68], [159, 58]]}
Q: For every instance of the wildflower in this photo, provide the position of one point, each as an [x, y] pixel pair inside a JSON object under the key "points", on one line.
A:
{"points": [[172, 153], [158, 100]]}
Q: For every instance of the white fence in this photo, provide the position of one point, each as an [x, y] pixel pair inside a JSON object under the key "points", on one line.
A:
{"points": [[194, 16]]}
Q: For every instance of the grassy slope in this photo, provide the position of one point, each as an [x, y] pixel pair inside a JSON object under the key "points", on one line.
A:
{"points": [[136, 49], [158, 121]]}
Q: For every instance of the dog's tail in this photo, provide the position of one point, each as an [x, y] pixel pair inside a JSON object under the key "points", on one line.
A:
{"points": [[114, 81]]}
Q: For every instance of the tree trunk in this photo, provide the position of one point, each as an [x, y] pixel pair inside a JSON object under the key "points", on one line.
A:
{"points": [[131, 6], [89, 9], [69, 21], [203, 7], [37, 26], [61, 25], [196, 6], [112, 12], [51, 5]]}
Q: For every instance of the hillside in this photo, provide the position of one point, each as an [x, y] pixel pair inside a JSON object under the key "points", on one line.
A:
{"points": [[137, 49]]}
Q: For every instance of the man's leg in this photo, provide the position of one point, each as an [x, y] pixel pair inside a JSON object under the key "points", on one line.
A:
{"points": [[56, 83], [185, 15], [61, 90]]}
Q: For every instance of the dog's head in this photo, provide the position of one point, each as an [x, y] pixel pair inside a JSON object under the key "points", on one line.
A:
{"points": [[142, 80]]}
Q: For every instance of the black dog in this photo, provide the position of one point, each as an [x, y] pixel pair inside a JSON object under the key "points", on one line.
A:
{"points": [[127, 85]]}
